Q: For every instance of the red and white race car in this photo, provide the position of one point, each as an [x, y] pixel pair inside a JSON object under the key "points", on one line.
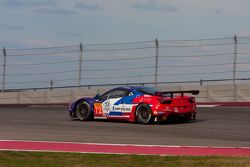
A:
{"points": [[136, 104]]}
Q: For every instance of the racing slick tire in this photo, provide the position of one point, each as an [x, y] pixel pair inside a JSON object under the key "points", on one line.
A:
{"points": [[83, 111], [144, 114]]}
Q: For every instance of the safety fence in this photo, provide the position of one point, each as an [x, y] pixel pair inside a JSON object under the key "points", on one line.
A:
{"points": [[156, 62], [208, 93]]}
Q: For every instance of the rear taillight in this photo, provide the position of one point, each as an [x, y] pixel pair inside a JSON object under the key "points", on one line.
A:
{"points": [[191, 100]]}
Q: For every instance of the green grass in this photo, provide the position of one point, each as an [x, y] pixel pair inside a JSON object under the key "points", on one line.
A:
{"points": [[38, 159]]}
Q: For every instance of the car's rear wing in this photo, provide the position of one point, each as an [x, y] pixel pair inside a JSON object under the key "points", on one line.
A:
{"points": [[193, 92]]}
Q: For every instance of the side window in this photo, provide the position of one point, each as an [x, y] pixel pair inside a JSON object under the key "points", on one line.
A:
{"points": [[119, 93], [106, 95]]}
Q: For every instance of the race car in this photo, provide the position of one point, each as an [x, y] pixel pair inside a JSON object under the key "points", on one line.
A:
{"points": [[139, 104]]}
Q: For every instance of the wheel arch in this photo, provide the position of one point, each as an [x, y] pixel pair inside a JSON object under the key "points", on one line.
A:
{"points": [[137, 107], [135, 111], [87, 100]]}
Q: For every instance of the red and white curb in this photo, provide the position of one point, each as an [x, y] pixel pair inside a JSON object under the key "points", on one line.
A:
{"points": [[44, 146]]}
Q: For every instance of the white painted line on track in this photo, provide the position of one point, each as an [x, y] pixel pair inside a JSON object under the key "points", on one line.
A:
{"points": [[207, 105], [103, 148], [44, 106], [109, 144]]}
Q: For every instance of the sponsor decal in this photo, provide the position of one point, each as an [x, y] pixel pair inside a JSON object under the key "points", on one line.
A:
{"points": [[106, 103], [122, 109], [106, 106], [98, 109]]}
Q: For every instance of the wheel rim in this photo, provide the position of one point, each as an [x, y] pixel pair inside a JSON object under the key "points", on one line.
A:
{"points": [[144, 114], [82, 111]]}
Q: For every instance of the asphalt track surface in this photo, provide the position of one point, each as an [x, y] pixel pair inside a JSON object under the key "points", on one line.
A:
{"points": [[217, 126]]}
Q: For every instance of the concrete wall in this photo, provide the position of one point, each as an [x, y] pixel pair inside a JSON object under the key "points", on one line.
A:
{"points": [[210, 93]]}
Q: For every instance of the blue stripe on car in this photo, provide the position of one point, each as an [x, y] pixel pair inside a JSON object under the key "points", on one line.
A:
{"points": [[114, 113]]}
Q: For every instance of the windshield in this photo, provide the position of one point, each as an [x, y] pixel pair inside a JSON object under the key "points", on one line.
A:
{"points": [[148, 90]]}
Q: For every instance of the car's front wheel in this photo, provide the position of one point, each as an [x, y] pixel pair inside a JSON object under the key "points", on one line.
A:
{"points": [[144, 114], [83, 111]]}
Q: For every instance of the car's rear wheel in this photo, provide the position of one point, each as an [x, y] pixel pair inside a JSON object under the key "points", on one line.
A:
{"points": [[144, 114], [83, 111]]}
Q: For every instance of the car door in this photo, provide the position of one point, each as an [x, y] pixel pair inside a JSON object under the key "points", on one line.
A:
{"points": [[116, 102], [110, 104]]}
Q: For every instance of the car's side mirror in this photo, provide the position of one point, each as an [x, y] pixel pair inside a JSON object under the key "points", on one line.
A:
{"points": [[97, 96]]}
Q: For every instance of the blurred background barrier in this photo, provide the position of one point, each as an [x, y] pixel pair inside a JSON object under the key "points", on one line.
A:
{"points": [[157, 62], [218, 67], [210, 93]]}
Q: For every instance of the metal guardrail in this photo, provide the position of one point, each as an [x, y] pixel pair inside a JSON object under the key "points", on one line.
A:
{"points": [[199, 83], [149, 63]]}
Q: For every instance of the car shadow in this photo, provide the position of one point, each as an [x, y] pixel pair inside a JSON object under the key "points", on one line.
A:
{"points": [[176, 122], [167, 122]]}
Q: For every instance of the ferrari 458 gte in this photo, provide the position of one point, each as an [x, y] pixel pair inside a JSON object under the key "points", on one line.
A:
{"points": [[135, 104]]}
